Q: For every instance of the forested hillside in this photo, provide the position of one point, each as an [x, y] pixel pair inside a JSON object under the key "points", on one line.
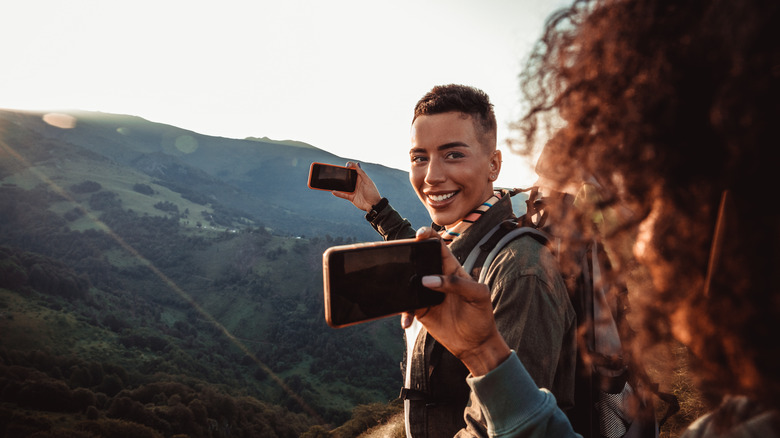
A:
{"points": [[133, 306]]}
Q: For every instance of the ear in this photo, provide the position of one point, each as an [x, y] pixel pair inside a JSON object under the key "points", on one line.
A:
{"points": [[495, 164]]}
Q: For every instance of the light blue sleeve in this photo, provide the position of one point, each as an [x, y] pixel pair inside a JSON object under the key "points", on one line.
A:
{"points": [[514, 406]]}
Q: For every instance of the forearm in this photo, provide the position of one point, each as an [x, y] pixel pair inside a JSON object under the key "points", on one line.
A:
{"points": [[391, 226], [514, 406], [490, 354]]}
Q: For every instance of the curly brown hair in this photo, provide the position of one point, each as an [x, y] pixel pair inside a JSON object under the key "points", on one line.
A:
{"points": [[671, 104]]}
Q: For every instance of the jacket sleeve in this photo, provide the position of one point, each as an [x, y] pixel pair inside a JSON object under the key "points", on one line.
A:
{"points": [[513, 405], [391, 226]]}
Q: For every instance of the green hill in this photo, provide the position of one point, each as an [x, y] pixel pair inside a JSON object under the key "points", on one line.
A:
{"points": [[150, 292], [255, 178]]}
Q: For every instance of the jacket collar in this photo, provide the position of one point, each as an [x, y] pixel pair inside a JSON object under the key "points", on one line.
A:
{"points": [[498, 213]]}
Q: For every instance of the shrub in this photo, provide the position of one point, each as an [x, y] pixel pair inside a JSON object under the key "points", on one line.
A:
{"points": [[20, 424], [86, 187], [199, 412], [316, 432], [83, 398], [72, 215], [80, 377], [125, 408], [143, 189], [92, 413], [365, 417], [46, 395], [167, 206], [12, 276], [111, 385], [104, 201], [117, 429], [114, 323], [101, 400]]}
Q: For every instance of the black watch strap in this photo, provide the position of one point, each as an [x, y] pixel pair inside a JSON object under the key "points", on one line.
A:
{"points": [[376, 209]]}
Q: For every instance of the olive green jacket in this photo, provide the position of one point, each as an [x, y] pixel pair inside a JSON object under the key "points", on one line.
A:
{"points": [[532, 311]]}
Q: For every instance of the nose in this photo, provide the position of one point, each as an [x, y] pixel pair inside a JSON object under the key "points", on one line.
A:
{"points": [[435, 173]]}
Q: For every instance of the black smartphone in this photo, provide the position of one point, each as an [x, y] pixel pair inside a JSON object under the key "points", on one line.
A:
{"points": [[329, 177], [367, 281]]}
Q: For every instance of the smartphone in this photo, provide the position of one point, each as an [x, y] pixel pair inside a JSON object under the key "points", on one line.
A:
{"points": [[368, 281], [329, 177]]}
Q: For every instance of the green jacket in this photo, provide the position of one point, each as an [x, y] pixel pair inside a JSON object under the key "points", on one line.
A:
{"points": [[528, 412], [532, 312]]}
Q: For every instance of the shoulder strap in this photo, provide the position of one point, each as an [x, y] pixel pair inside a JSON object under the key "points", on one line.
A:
{"points": [[491, 244]]}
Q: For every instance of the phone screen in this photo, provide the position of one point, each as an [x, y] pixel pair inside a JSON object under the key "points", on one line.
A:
{"points": [[369, 281], [329, 177]]}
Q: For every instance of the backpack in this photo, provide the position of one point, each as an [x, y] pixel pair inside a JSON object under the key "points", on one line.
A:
{"points": [[607, 401]]}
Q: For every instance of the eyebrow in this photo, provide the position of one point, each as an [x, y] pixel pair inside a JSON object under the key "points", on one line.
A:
{"points": [[444, 147]]}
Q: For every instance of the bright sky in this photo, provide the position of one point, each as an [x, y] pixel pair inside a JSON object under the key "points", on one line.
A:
{"points": [[342, 75]]}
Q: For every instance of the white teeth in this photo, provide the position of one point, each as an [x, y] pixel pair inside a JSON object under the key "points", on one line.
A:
{"points": [[439, 198]]}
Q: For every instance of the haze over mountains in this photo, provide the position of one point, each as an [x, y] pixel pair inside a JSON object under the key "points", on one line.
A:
{"points": [[261, 180]]}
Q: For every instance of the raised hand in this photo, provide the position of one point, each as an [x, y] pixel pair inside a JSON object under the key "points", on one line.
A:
{"points": [[366, 195]]}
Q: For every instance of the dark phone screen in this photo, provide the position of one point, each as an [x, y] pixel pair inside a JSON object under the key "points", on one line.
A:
{"points": [[375, 281], [327, 177]]}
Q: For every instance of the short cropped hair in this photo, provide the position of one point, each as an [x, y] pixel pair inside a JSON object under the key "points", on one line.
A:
{"points": [[465, 99]]}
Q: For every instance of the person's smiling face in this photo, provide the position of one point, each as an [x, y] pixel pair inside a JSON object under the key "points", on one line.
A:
{"points": [[451, 171]]}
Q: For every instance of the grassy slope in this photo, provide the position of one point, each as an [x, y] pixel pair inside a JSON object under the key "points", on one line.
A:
{"points": [[31, 321], [117, 179]]}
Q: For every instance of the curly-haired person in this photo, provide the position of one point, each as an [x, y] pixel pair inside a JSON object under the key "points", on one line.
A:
{"points": [[672, 106]]}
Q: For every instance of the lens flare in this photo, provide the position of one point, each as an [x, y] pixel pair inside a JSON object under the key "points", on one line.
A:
{"points": [[59, 120], [7, 149]]}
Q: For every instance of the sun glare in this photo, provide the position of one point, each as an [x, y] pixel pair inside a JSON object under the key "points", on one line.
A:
{"points": [[60, 120], [66, 122]]}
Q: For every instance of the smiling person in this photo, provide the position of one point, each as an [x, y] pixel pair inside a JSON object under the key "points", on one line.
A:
{"points": [[454, 163]]}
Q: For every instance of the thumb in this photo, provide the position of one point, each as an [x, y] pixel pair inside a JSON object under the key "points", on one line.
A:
{"points": [[456, 285]]}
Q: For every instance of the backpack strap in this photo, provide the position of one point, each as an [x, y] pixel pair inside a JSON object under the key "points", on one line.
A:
{"points": [[491, 244]]}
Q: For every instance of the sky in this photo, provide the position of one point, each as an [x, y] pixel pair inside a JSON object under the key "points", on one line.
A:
{"points": [[341, 75]]}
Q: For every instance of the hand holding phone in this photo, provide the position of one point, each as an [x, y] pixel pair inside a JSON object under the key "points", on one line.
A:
{"points": [[367, 281], [330, 177], [463, 323], [366, 194]]}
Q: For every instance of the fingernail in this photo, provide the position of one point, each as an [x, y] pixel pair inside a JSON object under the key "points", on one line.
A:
{"points": [[359, 165], [431, 281]]}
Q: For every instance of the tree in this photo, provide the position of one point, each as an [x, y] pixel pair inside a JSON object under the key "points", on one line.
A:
{"points": [[143, 189], [86, 187]]}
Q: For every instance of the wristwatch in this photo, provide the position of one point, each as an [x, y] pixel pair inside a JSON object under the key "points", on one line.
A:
{"points": [[376, 209]]}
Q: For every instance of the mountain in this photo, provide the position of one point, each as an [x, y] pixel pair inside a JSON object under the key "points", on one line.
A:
{"points": [[261, 180], [159, 282]]}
